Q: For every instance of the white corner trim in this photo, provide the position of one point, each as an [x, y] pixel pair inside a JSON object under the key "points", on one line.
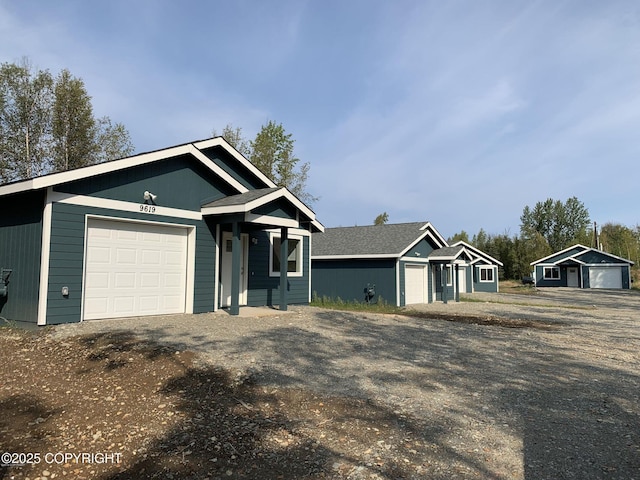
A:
{"points": [[44, 259], [216, 266]]}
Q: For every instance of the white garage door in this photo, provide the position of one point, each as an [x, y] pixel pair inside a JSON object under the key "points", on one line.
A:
{"points": [[605, 277], [134, 269], [414, 279]]}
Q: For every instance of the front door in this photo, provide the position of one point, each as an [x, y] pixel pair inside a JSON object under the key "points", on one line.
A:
{"points": [[572, 277], [225, 269]]}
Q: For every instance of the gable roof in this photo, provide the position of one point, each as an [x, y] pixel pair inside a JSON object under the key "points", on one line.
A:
{"points": [[580, 250], [479, 254], [373, 241], [446, 253], [193, 148], [58, 178]]}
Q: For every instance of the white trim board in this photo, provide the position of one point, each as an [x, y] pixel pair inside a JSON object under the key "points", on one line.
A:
{"points": [[151, 210]]}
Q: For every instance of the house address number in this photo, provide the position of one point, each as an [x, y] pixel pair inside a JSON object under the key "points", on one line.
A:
{"points": [[148, 208]]}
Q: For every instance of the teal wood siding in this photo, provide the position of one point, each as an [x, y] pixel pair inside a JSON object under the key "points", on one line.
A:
{"points": [[625, 277], [240, 173], [180, 182], [546, 282], [424, 247], [264, 289], [66, 265], [468, 278], [348, 279], [280, 208], [20, 247], [480, 286]]}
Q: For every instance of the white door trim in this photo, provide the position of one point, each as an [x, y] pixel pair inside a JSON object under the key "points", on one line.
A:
{"points": [[225, 277]]}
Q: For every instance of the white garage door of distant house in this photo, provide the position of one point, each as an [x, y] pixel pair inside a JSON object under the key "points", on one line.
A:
{"points": [[414, 279], [134, 269], [605, 277]]}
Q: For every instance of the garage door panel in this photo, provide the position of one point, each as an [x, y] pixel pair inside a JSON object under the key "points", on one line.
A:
{"points": [[605, 277], [414, 284], [133, 269], [125, 280], [151, 257]]}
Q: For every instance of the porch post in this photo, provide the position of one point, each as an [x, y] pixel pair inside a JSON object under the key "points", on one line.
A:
{"points": [[457, 267], [284, 255], [236, 249], [445, 280]]}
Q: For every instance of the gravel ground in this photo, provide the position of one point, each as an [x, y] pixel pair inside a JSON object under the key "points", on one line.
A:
{"points": [[436, 398]]}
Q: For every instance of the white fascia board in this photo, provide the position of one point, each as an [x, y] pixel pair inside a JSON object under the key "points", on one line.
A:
{"points": [[298, 204], [429, 226], [136, 160], [572, 259], [347, 257], [301, 232], [420, 260], [151, 210], [318, 225], [221, 142], [269, 220], [624, 260], [216, 169], [561, 251], [603, 265], [93, 170], [428, 233], [477, 252]]}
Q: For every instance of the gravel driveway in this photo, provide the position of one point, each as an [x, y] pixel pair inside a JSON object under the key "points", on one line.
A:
{"points": [[560, 401]]}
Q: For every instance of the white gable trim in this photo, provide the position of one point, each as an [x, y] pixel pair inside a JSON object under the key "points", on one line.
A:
{"points": [[577, 245], [220, 141], [128, 162], [217, 170], [478, 252], [437, 238]]}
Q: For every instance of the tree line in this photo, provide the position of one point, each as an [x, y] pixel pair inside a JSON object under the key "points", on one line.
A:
{"points": [[551, 226], [47, 124]]}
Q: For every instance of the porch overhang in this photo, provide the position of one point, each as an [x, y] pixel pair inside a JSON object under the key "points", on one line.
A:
{"points": [[254, 207]]}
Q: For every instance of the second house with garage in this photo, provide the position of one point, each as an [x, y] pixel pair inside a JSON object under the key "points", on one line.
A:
{"points": [[402, 264], [187, 229]]}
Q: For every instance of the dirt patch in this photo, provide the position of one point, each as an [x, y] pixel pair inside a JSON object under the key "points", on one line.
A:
{"points": [[490, 320], [325, 394]]}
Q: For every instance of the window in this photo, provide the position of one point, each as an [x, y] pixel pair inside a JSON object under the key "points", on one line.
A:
{"points": [[294, 258], [449, 275], [486, 274], [551, 273]]}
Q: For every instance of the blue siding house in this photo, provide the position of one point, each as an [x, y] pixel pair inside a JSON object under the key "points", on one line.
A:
{"points": [[404, 264], [582, 267], [187, 229]]}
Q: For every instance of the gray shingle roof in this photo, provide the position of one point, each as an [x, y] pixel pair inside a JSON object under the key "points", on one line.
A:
{"points": [[446, 252], [369, 240], [241, 198]]}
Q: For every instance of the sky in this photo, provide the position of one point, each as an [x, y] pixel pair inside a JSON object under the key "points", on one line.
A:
{"points": [[460, 113]]}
